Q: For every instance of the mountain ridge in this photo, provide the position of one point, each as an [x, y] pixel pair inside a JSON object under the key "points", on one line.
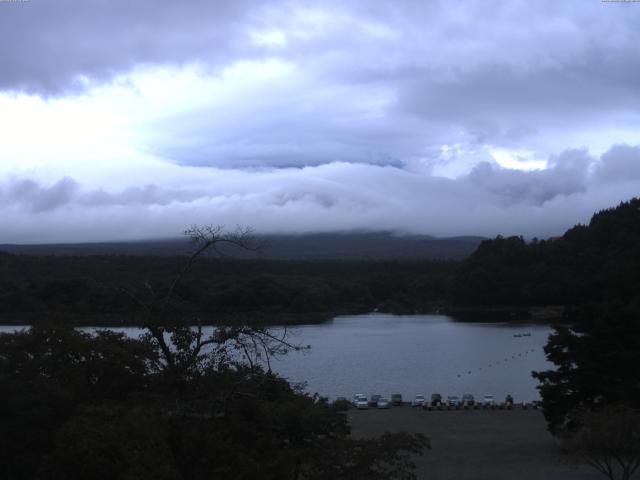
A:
{"points": [[305, 246]]}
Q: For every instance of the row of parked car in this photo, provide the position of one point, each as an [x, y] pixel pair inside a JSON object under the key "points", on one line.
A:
{"points": [[361, 401]]}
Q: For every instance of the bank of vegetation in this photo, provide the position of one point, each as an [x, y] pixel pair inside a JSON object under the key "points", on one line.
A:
{"points": [[97, 289]]}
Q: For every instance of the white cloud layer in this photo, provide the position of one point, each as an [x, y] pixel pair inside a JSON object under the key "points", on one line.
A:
{"points": [[489, 200]]}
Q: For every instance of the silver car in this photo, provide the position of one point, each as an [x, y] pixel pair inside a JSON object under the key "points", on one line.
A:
{"points": [[358, 397], [360, 401]]}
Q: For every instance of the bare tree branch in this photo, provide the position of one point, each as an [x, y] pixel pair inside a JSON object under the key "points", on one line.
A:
{"points": [[255, 343]]}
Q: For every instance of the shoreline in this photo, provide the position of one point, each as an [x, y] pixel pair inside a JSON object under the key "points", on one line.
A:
{"points": [[534, 314]]}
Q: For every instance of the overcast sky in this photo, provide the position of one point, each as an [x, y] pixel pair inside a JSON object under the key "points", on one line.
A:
{"points": [[135, 119]]}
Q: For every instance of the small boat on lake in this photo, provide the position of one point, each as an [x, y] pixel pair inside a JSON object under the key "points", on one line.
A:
{"points": [[518, 335]]}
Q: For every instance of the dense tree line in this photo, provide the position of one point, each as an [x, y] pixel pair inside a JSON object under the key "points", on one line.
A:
{"points": [[98, 288], [591, 399], [589, 263]]}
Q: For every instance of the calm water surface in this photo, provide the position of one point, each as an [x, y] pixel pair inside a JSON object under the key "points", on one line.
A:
{"points": [[410, 354]]}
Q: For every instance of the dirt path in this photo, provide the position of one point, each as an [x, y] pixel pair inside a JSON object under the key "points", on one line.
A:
{"points": [[477, 444]]}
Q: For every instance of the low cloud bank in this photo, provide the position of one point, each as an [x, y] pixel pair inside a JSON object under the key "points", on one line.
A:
{"points": [[489, 200]]}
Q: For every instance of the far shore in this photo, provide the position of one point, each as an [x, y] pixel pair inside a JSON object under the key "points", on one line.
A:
{"points": [[538, 314]]}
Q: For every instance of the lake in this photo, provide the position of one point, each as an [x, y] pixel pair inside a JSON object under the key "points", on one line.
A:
{"points": [[410, 354]]}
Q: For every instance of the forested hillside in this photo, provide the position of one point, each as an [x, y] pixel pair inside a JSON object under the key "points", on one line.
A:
{"points": [[306, 246], [589, 263], [104, 289]]}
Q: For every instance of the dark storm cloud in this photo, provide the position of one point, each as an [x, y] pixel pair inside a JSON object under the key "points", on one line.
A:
{"points": [[48, 45], [539, 70], [37, 198], [566, 176], [286, 136], [145, 196], [620, 163], [34, 197], [498, 103], [507, 73]]}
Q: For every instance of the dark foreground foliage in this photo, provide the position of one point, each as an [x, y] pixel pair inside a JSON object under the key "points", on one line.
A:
{"points": [[592, 397], [103, 406], [596, 363]]}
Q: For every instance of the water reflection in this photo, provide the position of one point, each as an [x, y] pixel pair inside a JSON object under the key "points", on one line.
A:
{"points": [[411, 354], [380, 353]]}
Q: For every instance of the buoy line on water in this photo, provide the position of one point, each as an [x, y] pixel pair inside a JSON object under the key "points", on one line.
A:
{"points": [[500, 362]]}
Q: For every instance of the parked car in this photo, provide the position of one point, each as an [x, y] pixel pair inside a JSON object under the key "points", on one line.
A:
{"points": [[373, 400], [436, 398], [358, 397], [488, 401], [453, 401], [418, 401], [360, 401], [467, 399], [396, 399], [383, 403]]}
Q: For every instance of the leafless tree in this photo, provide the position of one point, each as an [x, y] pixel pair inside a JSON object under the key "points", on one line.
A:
{"points": [[183, 346]]}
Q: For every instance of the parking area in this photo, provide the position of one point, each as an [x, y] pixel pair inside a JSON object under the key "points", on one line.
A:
{"points": [[477, 444]]}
